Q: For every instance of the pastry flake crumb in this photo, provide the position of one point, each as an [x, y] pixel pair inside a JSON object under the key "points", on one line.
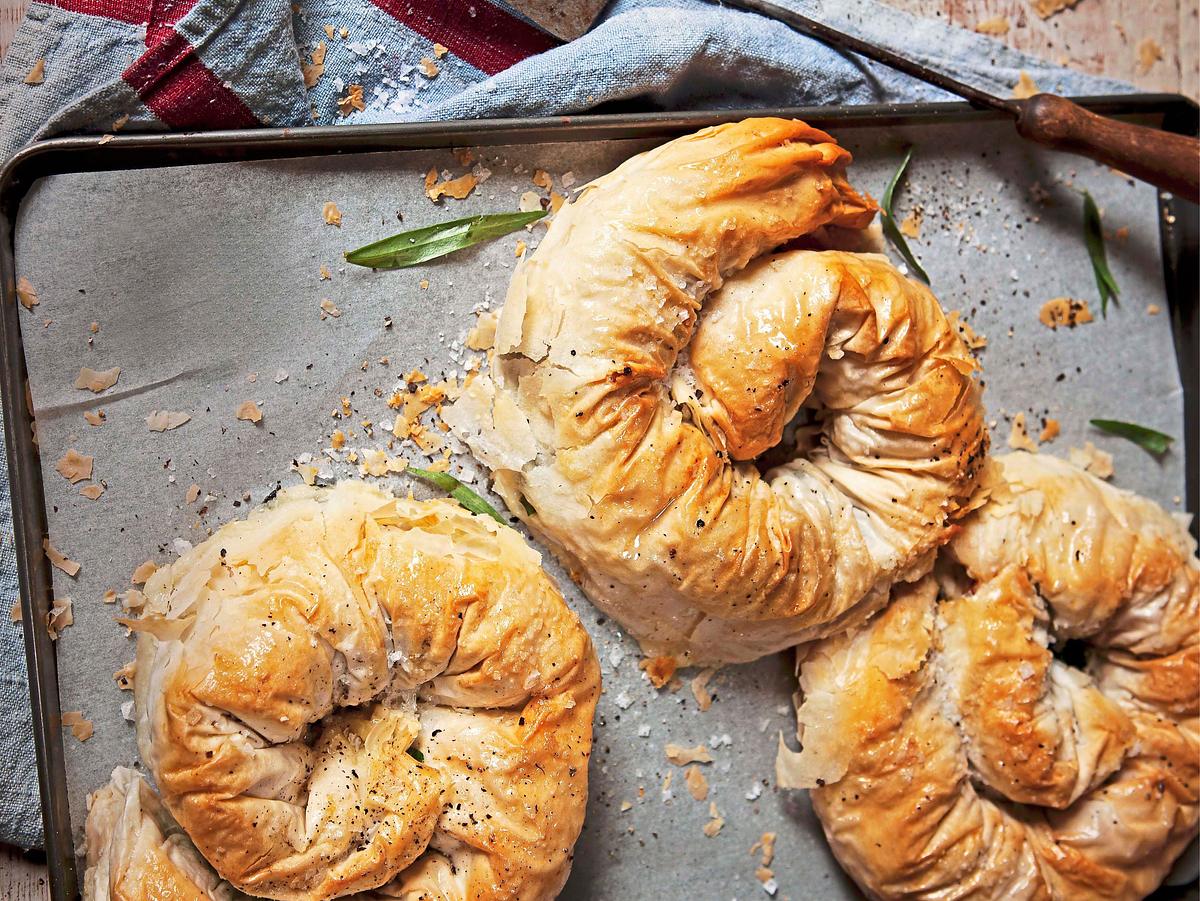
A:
{"points": [[37, 74], [700, 688], [92, 492], [1066, 311], [1025, 87], [326, 275], [329, 31], [519, 250], [144, 571], [440, 50], [59, 560], [1153, 310], [659, 669], [530, 202], [329, 308], [59, 617], [74, 466], [765, 844], [95, 417], [626, 805], [715, 821], [313, 70], [124, 676], [26, 293], [697, 785], [132, 599], [1149, 52], [429, 68], [166, 420], [458, 188], [352, 101], [556, 202], [377, 463], [248, 411], [15, 611], [1091, 459], [331, 214], [1051, 429], [80, 726], [996, 26], [308, 472], [1047, 8], [97, 380], [681, 756], [1018, 438], [541, 178], [910, 225], [193, 493]]}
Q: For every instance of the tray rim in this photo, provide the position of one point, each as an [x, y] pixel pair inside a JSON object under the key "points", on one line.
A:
{"points": [[1178, 242]]}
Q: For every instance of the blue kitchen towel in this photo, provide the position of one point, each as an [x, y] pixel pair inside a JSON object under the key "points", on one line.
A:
{"points": [[100, 65]]}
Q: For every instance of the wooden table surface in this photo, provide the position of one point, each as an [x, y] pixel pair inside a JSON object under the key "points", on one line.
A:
{"points": [[1153, 43]]}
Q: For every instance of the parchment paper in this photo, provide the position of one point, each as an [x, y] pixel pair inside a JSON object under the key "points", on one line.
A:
{"points": [[200, 276]]}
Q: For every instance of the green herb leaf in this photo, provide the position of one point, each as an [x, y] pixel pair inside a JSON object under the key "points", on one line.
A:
{"points": [[889, 221], [421, 244], [1093, 237], [1149, 439], [416, 755], [460, 492]]}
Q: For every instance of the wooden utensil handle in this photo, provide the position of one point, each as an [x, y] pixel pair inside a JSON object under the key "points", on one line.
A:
{"points": [[1170, 161]]}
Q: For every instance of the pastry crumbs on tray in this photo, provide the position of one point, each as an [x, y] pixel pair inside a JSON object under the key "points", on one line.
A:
{"points": [[326, 275], [124, 676], [92, 492], [193, 493], [331, 214], [996, 27], [59, 560], [15, 611], [715, 823], [1047, 8], [681, 756], [440, 50], [1091, 459], [699, 686], [659, 669], [429, 68], [970, 337], [80, 726], [765, 844], [697, 785], [1064, 311], [248, 411], [329, 31], [542, 179], [26, 294], [166, 420], [910, 225], [556, 202], [329, 309], [59, 617], [519, 250], [97, 380], [95, 417], [1153, 310], [1018, 438], [1149, 52], [74, 466], [1051, 429]]}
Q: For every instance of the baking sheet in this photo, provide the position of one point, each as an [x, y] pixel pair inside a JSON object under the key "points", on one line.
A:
{"points": [[202, 276]]}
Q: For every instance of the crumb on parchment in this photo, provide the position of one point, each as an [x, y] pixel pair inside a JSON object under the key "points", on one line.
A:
{"points": [[92, 492], [97, 380], [1066, 311], [699, 685], [1051, 429], [331, 214], [1091, 459], [74, 466], [715, 822], [59, 617], [144, 571], [697, 784], [26, 293], [59, 560], [248, 411], [166, 420], [681, 756], [80, 726], [1018, 438], [95, 417]]}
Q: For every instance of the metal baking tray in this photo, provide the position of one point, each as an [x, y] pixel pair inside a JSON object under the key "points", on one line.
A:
{"points": [[1178, 236]]}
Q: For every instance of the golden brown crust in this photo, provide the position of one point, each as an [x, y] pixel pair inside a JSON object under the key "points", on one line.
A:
{"points": [[287, 666], [902, 719], [616, 410]]}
